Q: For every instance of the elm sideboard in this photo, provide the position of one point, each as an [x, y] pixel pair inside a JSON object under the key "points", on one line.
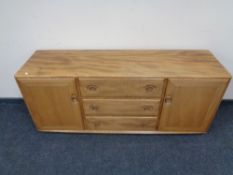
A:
{"points": [[123, 91]]}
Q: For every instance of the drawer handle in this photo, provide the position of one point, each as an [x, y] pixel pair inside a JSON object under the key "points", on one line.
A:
{"points": [[92, 87], [150, 87], [94, 107], [147, 108]]}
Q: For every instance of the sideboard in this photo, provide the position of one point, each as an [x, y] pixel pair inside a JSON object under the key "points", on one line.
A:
{"points": [[123, 91]]}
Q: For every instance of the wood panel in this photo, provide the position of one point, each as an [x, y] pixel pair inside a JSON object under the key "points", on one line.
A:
{"points": [[121, 106], [53, 103], [191, 104], [121, 124], [121, 87], [123, 63]]}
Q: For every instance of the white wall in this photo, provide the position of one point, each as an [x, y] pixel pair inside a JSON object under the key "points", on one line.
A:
{"points": [[27, 25]]}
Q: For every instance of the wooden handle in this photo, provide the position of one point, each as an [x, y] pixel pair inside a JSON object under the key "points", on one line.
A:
{"points": [[147, 108], [94, 107], [92, 87], [150, 87], [168, 99], [74, 98]]}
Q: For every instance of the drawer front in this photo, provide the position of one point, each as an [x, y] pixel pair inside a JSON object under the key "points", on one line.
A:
{"points": [[125, 87], [121, 106], [121, 123]]}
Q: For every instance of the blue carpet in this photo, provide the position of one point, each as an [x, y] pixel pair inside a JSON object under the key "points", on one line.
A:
{"points": [[25, 151]]}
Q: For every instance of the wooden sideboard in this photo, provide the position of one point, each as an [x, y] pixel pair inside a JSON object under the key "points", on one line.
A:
{"points": [[123, 91]]}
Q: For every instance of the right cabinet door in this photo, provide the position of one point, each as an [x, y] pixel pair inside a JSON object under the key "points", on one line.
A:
{"points": [[190, 104]]}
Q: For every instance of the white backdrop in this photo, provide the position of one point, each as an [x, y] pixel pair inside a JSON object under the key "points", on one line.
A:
{"points": [[27, 25]]}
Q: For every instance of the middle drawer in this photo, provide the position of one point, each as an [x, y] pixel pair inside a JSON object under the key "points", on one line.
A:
{"points": [[144, 107]]}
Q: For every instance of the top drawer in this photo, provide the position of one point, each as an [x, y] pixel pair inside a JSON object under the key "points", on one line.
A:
{"points": [[121, 87]]}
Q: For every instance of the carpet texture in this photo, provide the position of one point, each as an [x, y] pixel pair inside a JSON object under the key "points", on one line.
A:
{"points": [[25, 151]]}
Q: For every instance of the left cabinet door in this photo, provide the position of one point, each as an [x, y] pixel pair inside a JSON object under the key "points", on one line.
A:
{"points": [[53, 103]]}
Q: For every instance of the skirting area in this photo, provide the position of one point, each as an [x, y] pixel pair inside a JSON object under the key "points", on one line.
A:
{"points": [[23, 150]]}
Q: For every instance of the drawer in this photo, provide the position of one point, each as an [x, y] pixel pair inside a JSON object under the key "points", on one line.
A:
{"points": [[121, 87], [121, 123], [121, 106]]}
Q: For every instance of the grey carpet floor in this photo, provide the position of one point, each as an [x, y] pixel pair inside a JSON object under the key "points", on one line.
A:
{"points": [[25, 151]]}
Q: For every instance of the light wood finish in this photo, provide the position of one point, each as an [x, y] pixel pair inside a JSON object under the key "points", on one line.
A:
{"points": [[124, 123], [123, 91], [120, 131], [121, 106], [123, 63], [190, 104], [53, 103], [121, 87]]}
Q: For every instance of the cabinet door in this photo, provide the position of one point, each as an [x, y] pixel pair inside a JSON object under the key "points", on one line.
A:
{"points": [[53, 103], [191, 104]]}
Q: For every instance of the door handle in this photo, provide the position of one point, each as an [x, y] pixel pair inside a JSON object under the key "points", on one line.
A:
{"points": [[74, 98], [168, 100]]}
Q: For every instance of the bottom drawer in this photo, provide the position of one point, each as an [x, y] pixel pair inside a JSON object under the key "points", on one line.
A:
{"points": [[121, 123]]}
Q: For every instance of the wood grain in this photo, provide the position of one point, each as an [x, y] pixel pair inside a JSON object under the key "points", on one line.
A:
{"points": [[121, 87], [88, 131], [123, 63], [119, 124], [190, 104], [121, 106], [50, 104], [123, 91]]}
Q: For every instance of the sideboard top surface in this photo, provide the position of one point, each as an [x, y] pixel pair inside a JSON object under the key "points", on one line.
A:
{"points": [[123, 63]]}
